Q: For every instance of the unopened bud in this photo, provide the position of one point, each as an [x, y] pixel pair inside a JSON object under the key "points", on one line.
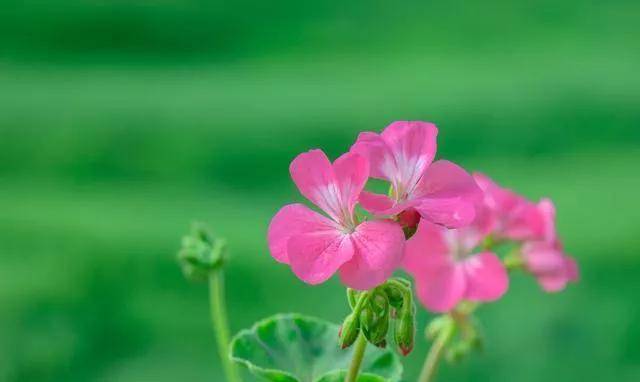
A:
{"points": [[200, 253], [349, 331], [405, 328]]}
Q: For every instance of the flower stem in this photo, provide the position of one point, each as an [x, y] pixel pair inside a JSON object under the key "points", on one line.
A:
{"points": [[220, 323], [435, 355], [356, 361]]}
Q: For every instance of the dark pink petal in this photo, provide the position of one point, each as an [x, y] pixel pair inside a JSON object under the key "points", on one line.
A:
{"points": [[379, 247], [447, 195], [316, 256], [351, 172], [291, 220], [487, 279]]}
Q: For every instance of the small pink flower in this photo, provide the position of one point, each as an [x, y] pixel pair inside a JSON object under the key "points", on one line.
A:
{"points": [[446, 269], [509, 215], [545, 258], [315, 246], [403, 154]]}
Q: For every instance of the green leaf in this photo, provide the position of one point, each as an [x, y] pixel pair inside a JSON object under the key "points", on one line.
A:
{"points": [[295, 348]]}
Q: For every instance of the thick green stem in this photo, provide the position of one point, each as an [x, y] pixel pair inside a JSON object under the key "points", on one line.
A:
{"points": [[356, 361], [220, 324], [435, 355]]}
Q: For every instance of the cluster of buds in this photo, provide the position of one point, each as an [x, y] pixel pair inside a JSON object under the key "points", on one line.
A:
{"points": [[201, 253], [375, 311]]}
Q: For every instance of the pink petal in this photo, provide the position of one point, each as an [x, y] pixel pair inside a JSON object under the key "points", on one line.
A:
{"points": [[401, 153], [447, 195], [441, 289], [542, 258], [351, 173], [413, 145], [372, 146], [291, 220], [452, 213], [382, 205], [547, 211], [487, 279], [427, 248], [440, 283], [316, 256], [571, 269], [313, 173], [379, 247], [524, 222], [499, 199], [552, 282]]}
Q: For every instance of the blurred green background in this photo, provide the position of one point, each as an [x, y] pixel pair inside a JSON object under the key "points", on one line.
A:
{"points": [[121, 121]]}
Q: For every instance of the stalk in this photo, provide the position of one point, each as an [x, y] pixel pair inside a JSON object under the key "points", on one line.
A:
{"points": [[220, 324]]}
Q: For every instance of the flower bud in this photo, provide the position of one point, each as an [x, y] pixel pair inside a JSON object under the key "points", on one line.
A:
{"points": [[405, 328], [349, 331], [200, 253]]}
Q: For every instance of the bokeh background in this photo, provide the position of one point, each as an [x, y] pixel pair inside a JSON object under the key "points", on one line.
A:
{"points": [[122, 121]]}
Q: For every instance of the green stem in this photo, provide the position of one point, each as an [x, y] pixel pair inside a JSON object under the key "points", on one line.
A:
{"points": [[356, 361], [220, 324], [435, 355]]}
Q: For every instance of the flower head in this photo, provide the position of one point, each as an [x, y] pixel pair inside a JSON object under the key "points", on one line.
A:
{"points": [[545, 258], [447, 270], [315, 246], [403, 154]]}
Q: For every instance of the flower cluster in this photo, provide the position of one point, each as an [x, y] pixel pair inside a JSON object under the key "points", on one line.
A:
{"points": [[437, 222]]}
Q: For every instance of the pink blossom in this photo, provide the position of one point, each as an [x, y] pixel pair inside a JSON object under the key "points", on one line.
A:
{"points": [[447, 270], [403, 154], [545, 258], [509, 215], [365, 254]]}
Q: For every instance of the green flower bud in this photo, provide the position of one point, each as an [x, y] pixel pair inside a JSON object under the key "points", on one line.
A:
{"points": [[349, 331], [405, 328], [200, 253]]}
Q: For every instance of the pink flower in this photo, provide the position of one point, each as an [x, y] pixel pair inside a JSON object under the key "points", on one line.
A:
{"points": [[545, 258], [509, 215], [403, 154], [447, 271], [315, 246]]}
